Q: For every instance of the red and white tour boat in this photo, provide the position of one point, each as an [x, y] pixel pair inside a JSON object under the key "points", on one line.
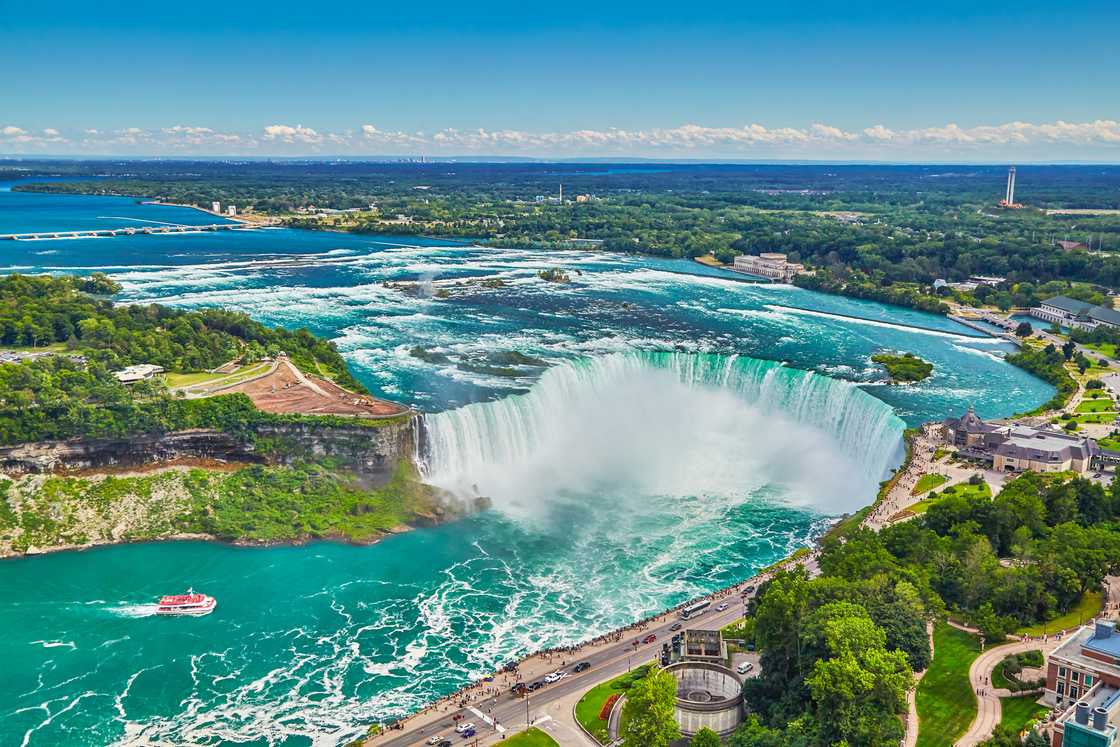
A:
{"points": [[191, 603]]}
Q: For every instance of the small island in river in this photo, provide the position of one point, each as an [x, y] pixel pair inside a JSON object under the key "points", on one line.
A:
{"points": [[905, 368]]}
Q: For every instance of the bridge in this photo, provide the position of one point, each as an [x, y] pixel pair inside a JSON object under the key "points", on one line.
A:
{"points": [[126, 231]]}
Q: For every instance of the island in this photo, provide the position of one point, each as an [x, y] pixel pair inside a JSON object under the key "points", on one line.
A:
{"points": [[128, 423], [906, 368]]}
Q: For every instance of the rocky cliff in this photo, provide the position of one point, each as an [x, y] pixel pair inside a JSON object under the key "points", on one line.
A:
{"points": [[371, 452]]}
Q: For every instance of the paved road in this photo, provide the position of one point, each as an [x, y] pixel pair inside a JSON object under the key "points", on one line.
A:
{"points": [[989, 709], [606, 663]]}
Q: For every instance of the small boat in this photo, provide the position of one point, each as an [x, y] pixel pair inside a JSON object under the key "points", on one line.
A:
{"points": [[191, 603]]}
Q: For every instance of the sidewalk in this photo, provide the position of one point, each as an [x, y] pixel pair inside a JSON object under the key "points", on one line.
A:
{"points": [[989, 710]]}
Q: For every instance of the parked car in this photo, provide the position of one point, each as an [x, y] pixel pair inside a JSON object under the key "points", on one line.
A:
{"points": [[745, 667], [583, 666], [649, 638]]}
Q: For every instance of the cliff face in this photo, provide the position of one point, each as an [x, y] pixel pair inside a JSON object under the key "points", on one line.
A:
{"points": [[372, 453]]}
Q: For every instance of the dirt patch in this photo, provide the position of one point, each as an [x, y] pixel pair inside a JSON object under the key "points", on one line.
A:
{"points": [[289, 390]]}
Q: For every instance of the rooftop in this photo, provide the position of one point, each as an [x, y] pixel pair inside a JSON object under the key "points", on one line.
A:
{"points": [[1104, 640]]}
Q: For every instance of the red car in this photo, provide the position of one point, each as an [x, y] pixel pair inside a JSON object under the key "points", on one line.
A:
{"points": [[649, 638]]}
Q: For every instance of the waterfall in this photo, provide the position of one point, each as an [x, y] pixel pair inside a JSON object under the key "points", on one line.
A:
{"points": [[668, 424]]}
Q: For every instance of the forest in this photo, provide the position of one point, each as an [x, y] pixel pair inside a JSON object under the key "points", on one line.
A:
{"points": [[838, 651], [70, 391]]}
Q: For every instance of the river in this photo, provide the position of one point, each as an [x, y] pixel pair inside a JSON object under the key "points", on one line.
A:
{"points": [[662, 431]]}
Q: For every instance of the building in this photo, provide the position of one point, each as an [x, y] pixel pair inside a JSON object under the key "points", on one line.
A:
{"points": [[1012, 447], [1069, 312], [216, 207], [231, 210], [1069, 246], [139, 372], [1083, 680], [771, 265], [704, 645]]}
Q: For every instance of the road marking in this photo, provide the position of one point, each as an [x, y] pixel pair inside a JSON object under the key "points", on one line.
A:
{"points": [[489, 721]]}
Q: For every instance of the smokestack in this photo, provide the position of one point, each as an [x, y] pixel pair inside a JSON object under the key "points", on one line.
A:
{"points": [[1100, 719], [1011, 187], [1081, 713]]}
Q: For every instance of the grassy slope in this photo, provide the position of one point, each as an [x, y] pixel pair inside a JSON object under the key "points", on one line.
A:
{"points": [[1021, 710], [532, 738], [588, 707], [1089, 606], [260, 504], [945, 701]]}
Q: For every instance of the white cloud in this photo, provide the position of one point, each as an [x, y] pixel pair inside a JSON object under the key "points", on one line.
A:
{"points": [[1059, 139], [290, 134]]}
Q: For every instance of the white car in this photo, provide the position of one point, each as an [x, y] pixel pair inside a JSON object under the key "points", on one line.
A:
{"points": [[745, 667], [434, 740], [722, 606], [554, 677], [465, 726]]}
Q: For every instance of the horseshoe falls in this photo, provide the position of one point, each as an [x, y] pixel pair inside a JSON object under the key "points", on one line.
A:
{"points": [[648, 432], [669, 424]]}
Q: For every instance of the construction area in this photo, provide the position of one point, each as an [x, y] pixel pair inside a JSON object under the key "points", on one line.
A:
{"points": [[278, 386]]}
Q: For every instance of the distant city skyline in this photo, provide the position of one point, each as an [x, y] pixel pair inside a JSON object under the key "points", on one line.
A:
{"points": [[951, 80]]}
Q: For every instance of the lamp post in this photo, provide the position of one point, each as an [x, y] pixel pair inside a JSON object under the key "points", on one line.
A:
{"points": [[527, 724]]}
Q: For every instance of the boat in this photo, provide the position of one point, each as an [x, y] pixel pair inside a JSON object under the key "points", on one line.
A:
{"points": [[191, 603]]}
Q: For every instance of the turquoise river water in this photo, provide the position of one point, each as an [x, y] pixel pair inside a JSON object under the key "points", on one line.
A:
{"points": [[676, 430]]}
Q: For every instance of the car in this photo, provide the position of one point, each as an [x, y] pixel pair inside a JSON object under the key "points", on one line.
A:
{"points": [[583, 666], [722, 606], [464, 726], [745, 667], [434, 740], [553, 677], [444, 743], [675, 626], [468, 733], [749, 589], [649, 638], [750, 646], [517, 687], [537, 685]]}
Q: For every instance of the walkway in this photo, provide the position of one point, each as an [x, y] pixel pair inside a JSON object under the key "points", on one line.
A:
{"points": [[989, 710], [900, 495], [910, 738]]}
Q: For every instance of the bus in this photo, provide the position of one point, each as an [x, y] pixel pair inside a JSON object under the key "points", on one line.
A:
{"points": [[693, 610]]}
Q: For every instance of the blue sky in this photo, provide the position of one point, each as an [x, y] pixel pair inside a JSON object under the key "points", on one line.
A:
{"points": [[739, 79]]}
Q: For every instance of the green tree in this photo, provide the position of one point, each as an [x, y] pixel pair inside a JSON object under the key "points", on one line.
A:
{"points": [[649, 710], [860, 687], [705, 738]]}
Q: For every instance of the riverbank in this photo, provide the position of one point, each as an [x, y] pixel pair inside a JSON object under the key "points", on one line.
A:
{"points": [[260, 506]]}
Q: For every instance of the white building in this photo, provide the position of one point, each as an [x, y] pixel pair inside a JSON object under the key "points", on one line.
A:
{"points": [[215, 207], [139, 372], [771, 265], [231, 210], [1069, 312]]}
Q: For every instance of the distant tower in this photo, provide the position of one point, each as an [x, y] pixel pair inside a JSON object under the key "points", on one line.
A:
{"points": [[561, 194], [1010, 186]]}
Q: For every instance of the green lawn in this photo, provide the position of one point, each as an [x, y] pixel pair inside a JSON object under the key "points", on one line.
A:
{"points": [[998, 677], [534, 737], [1086, 609], [1102, 418], [928, 482], [203, 377], [969, 490], [1106, 349], [1096, 405], [1112, 443], [945, 701], [1020, 711], [587, 709]]}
